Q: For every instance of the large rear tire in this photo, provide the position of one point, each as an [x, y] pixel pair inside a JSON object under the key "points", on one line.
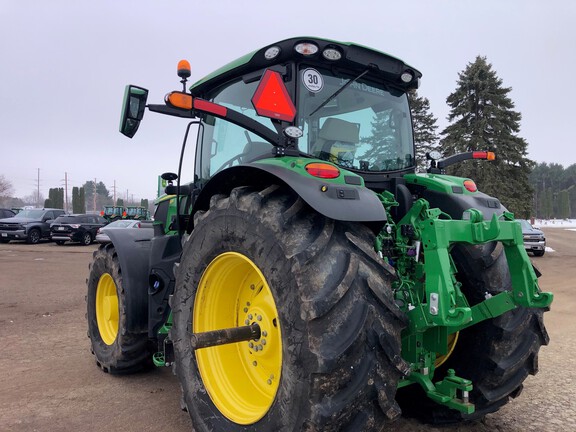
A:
{"points": [[117, 350], [496, 354], [331, 358]]}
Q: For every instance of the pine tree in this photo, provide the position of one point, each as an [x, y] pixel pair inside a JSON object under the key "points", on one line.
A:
{"points": [[424, 122], [482, 117]]}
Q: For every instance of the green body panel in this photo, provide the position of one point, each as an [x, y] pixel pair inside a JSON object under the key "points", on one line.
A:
{"points": [[438, 182]]}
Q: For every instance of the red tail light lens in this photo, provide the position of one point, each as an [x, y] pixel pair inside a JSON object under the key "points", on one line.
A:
{"points": [[322, 170], [470, 186], [484, 155]]}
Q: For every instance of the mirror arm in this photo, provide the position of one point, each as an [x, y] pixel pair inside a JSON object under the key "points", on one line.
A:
{"points": [[165, 109]]}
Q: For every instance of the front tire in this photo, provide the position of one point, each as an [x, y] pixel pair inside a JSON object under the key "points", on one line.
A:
{"points": [[331, 359], [33, 236], [117, 349], [87, 239]]}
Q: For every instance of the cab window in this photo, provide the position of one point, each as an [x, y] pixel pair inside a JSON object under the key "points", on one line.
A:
{"points": [[224, 144]]}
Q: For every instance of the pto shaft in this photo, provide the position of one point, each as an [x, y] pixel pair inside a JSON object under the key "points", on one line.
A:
{"points": [[225, 336]]}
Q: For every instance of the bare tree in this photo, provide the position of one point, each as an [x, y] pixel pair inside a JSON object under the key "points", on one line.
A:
{"points": [[6, 188]]}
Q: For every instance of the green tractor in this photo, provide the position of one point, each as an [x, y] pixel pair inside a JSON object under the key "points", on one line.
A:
{"points": [[112, 213], [137, 213], [309, 278]]}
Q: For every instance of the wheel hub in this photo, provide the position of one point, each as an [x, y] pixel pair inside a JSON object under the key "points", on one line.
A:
{"points": [[107, 309], [241, 378]]}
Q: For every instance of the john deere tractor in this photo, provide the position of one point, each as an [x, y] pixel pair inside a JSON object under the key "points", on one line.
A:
{"points": [[112, 213], [309, 278]]}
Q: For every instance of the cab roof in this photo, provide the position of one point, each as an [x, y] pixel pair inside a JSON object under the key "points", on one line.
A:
{"points": [[354, 56]]}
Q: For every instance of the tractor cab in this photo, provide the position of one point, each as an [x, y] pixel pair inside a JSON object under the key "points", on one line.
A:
{"points": [[112, 213], [339, 103]]}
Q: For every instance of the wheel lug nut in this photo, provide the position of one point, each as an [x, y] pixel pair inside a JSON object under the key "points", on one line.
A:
{"points": [[269, 382], [245, 309], [251, 345], [263, 341], [264, 333], [250, 316], [255, 363], [259, 317], [247, 322]]}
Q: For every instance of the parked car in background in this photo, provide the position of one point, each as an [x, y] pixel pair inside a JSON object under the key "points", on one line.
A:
{"points": [[31, 225], [534, 239], [80, 228], [6, 213], [102, 236]]}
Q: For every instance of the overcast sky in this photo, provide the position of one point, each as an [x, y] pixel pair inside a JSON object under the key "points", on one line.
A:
{"points": [[64, 65]]}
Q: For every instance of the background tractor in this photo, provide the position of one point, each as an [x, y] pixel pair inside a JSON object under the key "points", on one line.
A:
{"points": [[137, 213], [308, 278], [112, 213]]}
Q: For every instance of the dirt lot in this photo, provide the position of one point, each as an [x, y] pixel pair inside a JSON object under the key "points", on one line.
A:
{"points": [[49, 380]]}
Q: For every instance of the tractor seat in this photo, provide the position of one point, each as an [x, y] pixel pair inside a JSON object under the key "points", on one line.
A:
{"points": [[337, 141], [254, 150]]}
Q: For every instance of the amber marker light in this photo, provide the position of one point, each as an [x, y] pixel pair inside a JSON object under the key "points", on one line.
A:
{"points": [[179, 100], [322, 170], [184, 70]]}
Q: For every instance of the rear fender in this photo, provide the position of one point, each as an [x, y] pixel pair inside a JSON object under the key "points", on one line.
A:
{"points": [[338, 201], [133, 251]]}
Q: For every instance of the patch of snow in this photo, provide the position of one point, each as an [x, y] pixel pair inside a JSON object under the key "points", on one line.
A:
{"points": [[555, 223]]}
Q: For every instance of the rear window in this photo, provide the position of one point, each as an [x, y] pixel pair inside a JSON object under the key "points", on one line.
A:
{"points": [[120, 224], [69, 219]]}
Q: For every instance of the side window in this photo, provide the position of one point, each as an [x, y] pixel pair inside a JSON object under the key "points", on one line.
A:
{"points": [[48, 215], [161, 213], [224, 144]]}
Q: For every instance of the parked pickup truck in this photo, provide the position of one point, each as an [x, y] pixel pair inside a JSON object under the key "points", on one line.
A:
{"points": [[31, 225]]}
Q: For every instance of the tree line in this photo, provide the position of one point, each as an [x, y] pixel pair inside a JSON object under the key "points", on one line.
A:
{"points": [[91, 196]]}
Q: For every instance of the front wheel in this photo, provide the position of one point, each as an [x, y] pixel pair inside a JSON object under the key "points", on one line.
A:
{"points": [[116, 348], [86, 239], [33, 236], [329, 353]]}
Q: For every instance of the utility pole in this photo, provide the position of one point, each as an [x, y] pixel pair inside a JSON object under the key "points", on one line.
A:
{"points": [[66, 192], [38, 190], [94, 205], [114, 192]]}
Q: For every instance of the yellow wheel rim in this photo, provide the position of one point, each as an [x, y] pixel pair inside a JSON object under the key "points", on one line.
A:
{"points": [[241, 378], [452, 340], [107, 309]]}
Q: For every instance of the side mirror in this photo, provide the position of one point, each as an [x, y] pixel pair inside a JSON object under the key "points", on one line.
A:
{"points": [[132, 109]]}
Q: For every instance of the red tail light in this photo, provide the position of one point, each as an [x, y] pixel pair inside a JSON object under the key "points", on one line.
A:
{"points": [[322, 170], [470, 186], [484, 155]]}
